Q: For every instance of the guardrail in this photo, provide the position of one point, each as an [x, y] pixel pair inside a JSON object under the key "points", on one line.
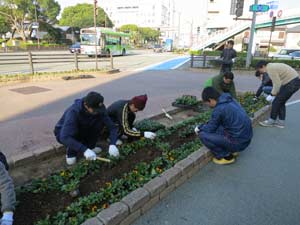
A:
{"points": [[45, 58], [201, 61]]}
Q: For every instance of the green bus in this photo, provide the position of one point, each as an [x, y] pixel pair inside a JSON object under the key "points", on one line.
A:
{"points": [[107, 40]]}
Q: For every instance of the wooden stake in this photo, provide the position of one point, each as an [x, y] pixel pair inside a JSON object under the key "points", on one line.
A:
{"points": [[103, 159]]}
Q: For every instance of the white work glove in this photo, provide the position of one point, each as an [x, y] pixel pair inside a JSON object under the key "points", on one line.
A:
{"points": [[270, 98], [7, 218], [197, 130], [149, 135], [233, 60], [90, 154], [113, 151], [134, 129]]}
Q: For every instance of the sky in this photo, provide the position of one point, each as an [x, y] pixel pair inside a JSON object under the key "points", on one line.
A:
{"points": [[190, 9]]}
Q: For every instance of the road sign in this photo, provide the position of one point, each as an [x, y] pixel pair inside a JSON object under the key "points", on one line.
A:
{"points": [[273, 4], [259, 8]]}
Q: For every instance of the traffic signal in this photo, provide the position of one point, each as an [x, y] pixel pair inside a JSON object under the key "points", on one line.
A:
{"points": [[239, 8], [273, 23]]}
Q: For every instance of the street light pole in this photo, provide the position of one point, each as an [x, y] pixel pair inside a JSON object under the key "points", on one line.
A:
{"points": [[252, 32], [96, 38]]}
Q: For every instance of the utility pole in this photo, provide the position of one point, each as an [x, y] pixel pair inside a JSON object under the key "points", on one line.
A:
{"points": [[96, 37], [252, 32]]}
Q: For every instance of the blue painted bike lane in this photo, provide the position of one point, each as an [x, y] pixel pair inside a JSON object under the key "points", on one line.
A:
{"points": [[170, 64]]}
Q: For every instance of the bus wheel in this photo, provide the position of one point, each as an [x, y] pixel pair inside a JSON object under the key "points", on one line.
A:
{"points": [[123, 52]]}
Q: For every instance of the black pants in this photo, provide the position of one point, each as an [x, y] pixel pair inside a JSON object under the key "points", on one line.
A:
{"points": [[226, 68], [285, 92]]}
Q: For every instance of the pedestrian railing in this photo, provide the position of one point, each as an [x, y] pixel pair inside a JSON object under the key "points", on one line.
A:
{"points": [[33, 59], [202, 61]]}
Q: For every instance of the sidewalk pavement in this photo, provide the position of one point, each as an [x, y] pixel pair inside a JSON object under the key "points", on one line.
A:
{"points": [[261, 188]]}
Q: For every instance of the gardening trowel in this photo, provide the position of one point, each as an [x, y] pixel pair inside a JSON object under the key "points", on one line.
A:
{"points": [[167, 114]]}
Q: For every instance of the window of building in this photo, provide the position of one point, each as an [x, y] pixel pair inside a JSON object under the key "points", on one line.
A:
{"points": [[281, 35]]}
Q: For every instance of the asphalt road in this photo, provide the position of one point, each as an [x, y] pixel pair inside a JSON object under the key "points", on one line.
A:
{"points": [[261, 188], [136, 59]]}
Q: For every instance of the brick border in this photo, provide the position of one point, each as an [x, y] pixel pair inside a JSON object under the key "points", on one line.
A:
{"points": [[135, 204]]}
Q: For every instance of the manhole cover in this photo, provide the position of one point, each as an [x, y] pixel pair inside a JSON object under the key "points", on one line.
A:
{"points": [[30, 90]]}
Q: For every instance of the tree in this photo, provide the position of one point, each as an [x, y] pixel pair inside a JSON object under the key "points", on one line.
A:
{"points": [[17, 12], [4, 25], [82, 15], [149, 34], [141, 34]]}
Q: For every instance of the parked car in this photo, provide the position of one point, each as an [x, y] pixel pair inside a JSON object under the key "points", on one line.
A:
{"points": [[158, 48], [75, 48], [288, 54]]}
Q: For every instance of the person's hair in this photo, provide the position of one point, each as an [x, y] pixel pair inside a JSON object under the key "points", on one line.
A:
{"points": [[257, 74], [229, 75], [231, 42], [210, 93], [261, 63]]}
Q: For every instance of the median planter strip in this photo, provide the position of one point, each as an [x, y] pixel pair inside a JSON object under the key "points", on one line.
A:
{"points": [[93, 221], [115, 214], [136, 199], [171, 175], [145, 173], [159, 187], [156, 185]]}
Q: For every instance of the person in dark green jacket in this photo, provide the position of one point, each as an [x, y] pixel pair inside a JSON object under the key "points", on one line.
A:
{"points": [[223, 83]]}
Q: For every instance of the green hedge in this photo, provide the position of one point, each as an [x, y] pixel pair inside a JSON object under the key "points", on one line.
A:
{"points": [[214, 53], [293, 63], [240, 62]]}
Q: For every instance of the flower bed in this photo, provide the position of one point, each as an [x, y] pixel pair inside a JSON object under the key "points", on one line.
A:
{"points": [[47, 201]]}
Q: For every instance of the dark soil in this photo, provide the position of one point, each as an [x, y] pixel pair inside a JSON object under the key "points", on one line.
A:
{"points": [[33, 207]]}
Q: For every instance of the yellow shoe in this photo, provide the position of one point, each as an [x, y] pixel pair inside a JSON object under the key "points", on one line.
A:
{"points": [[223, 161]]}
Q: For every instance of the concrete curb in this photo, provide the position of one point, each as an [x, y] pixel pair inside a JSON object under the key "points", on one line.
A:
{"points": [[141, 200]]}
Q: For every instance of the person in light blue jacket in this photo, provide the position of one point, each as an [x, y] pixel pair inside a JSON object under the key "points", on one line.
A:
{"points": [[229, 130]]}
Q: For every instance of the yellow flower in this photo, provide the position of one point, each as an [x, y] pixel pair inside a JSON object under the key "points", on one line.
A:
{"points": [[62, 173], [105, 205], [159, 170], [108, 184], [171, 159], [94, 208], [141, 179], [135, 171]]}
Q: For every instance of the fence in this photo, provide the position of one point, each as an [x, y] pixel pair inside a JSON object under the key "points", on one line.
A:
{"points": [[32, 59], [202, 61]]}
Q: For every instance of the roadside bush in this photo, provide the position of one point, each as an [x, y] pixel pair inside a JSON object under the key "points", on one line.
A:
{"points": [[293, 63]]}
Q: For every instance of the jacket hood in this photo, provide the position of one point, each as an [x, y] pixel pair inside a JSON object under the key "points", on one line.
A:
{"points": [[224, 98]]}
